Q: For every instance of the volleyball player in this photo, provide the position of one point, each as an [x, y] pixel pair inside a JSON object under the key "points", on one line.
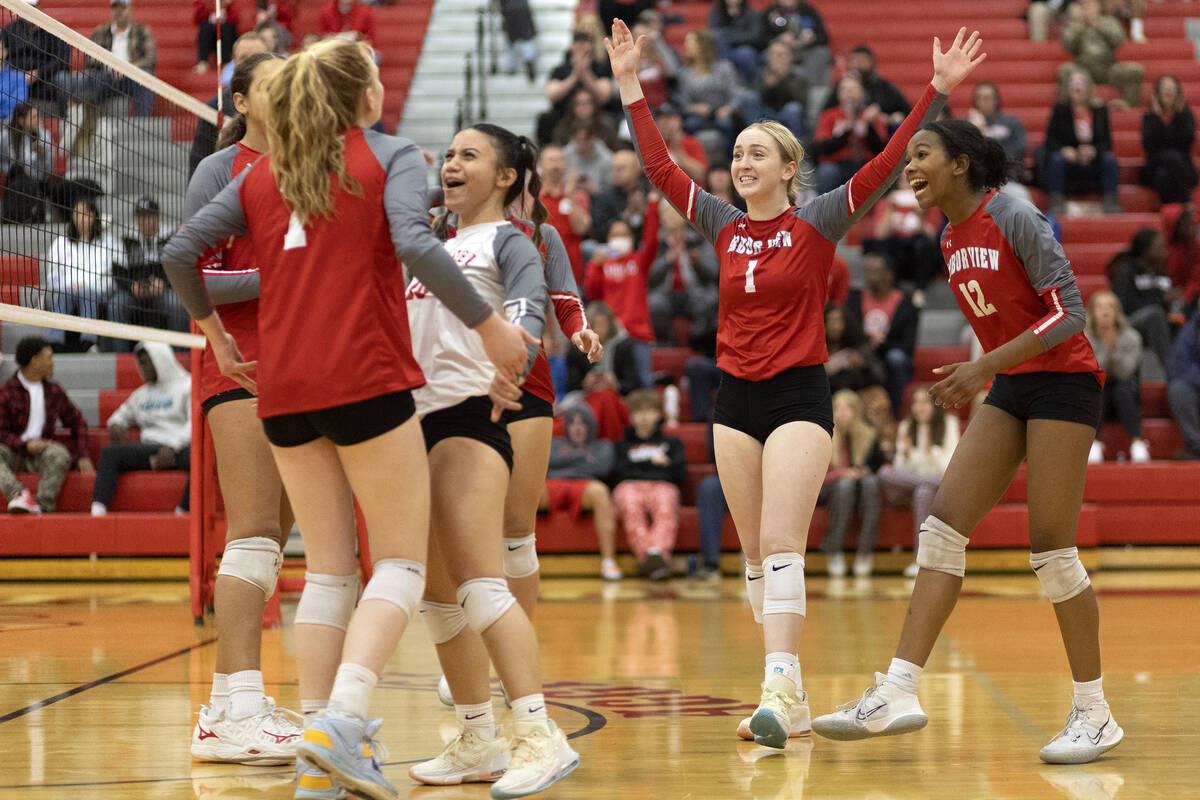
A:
{"points": [[773, 416], [470, 611], [336, 371], [1016, 288]]}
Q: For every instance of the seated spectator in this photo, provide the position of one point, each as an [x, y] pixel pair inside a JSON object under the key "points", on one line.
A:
{"points": [[737, 27], [877, 90], [877, 409], [129, 41], [78, 269], [39, 54], [848, 135], [986, 114], [162, 409], [682, 280], [618, 275], [659, 66], [27, 159], [517, 20], [1041, 13], [582, 108], [579, 465], [1118, 349], [1168, 133], [580, 68], [1139, 279], [708, 88], [1183, 386], [588, 157], [1130, 11], [719, 181], [204, 141], [615, 372], [31, 407], [143, 296], [278, 12], [889, 321], [852, 361], [1183, 252], [685, 150], [211, 26], [909, 237], [851, 483], [800, 27], [649, 471], [782, 91], [349, 19], [925, 440], [623, 196], [1079, 156], [568, 206], [1091, 40], [14, 85], [712, 508], [276, 40]]}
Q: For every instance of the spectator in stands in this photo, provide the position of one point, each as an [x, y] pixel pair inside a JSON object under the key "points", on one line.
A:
{"points": [[1183, 252], [798, 25], [1118, 348], [852, 361], [685, 150], [211, 26], [623, 196], [737, 28], [648, 473], [521, 33], [781, 91], [1130, 11], [659, 66], [889, 321], [143, 296], [582, 108], [877, 408], [851, 483], [986, 113], [279, 12], [349, 19], [711, 509], [616, 370], [39, 54], [627, 11], [1138, 276], [877, 91], [580, 68], [27, 159], [1092, 39], [131, 42], [683, 279], [31, 407], [708, 88], [848, 135], [1041, 13], [568, 205], [909, 237], [579, 465], [588, 157], [653, 24], [1168, 134], [925, 441], [78, 269], [719, 181], [14, 84], [205, 139], [1183, 386], [1079, 156], [276, 40], [161, 408]]}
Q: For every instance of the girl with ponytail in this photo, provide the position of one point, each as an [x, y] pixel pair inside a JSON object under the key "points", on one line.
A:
{"points": [[1017, 290]]}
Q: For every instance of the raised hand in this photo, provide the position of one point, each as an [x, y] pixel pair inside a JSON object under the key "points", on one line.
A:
{"points": [[624, 52], [951, 67]]}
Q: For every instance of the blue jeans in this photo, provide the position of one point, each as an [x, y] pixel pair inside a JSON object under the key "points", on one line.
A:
{"points": [[791, 115], [84, 302], [703, 379], [710, 502], [832, 175], [641, 360], [99, 85], [898, 367], [1103, 170], [744, 57]]}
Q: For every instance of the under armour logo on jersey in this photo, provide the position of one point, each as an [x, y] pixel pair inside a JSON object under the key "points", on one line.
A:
{"points": [[295, 238]]}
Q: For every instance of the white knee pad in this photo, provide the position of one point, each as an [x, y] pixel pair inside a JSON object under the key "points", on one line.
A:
{"points": [[754, 590], [255, 560], [783, 574], [941, 548], [483, 601], [445, 620], [398, 581], [520, 556], [1060, 572], [327, 600]]}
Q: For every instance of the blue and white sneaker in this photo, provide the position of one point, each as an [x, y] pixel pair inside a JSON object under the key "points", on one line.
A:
{"points": [[782, 712], [340, 745], [315, 784], [540, 758]]}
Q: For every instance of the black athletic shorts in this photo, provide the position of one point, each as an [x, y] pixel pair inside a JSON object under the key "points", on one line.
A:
{"points": [[532, 407], [352, 423], [225, 397], [1064, 396], [757, 408], [470, 419]]}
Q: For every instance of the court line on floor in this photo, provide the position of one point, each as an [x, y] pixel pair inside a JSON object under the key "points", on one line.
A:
{"points": [[101, 681]]}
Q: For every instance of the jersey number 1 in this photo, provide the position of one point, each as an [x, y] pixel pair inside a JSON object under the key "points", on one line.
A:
{"points": [[750, 276], [981, 307]]}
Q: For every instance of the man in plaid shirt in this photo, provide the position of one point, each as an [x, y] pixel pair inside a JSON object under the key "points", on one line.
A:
{"points": [[31, 406]]}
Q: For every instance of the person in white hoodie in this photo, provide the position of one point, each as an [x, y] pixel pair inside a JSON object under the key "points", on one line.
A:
{"points": [[162, 409]]}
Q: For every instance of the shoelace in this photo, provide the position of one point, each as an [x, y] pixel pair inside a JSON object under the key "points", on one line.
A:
{"points": [[783, 698], [1074, 726], [283, 716], [855, 703], [529, 748]]}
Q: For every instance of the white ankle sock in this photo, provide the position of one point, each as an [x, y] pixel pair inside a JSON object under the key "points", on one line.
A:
{"points": [[313, 706], [218, 699], [785, 664], [531, 708], [1137, 29], [245, 693], [478, 718], [99, 509], [352, 690], [904, 674], [1088, 692]]}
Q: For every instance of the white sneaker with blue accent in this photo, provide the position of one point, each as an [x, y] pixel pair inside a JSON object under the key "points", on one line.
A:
{"points": [[540, 757], [782, 713], [883, 710], [340, 745], [1089, 732], [468, 758]]}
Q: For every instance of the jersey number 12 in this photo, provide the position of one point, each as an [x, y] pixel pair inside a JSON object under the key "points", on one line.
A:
{"points": [[981, 307], [750, 276]]}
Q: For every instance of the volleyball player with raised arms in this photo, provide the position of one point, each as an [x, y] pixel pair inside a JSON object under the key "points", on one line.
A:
{"points": [[468, 606], [336, 372], [1015, 286], [773, 416]]}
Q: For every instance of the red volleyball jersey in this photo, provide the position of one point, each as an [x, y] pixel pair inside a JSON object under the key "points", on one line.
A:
{"points": [[1009, 274], [622, 282], [775, 273]]}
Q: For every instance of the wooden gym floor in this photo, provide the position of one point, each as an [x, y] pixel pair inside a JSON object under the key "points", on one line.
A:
{"points": [[99, 683]]}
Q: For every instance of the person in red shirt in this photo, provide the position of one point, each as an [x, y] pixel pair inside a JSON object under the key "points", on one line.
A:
{"points": [[569, 208], [847, 135], [686, 151], [212, 26], [1016, 288], [618, 275], [349, 18], [336, 371], [773, 415]]}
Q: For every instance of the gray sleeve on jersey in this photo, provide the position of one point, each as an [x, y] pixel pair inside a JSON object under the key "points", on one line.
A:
{"points": [[221, 218], [1029, 234], [406, 202], [830, 214], [231, 286], [712, 214], [211, 176], [524, 277], [559, 276]]}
